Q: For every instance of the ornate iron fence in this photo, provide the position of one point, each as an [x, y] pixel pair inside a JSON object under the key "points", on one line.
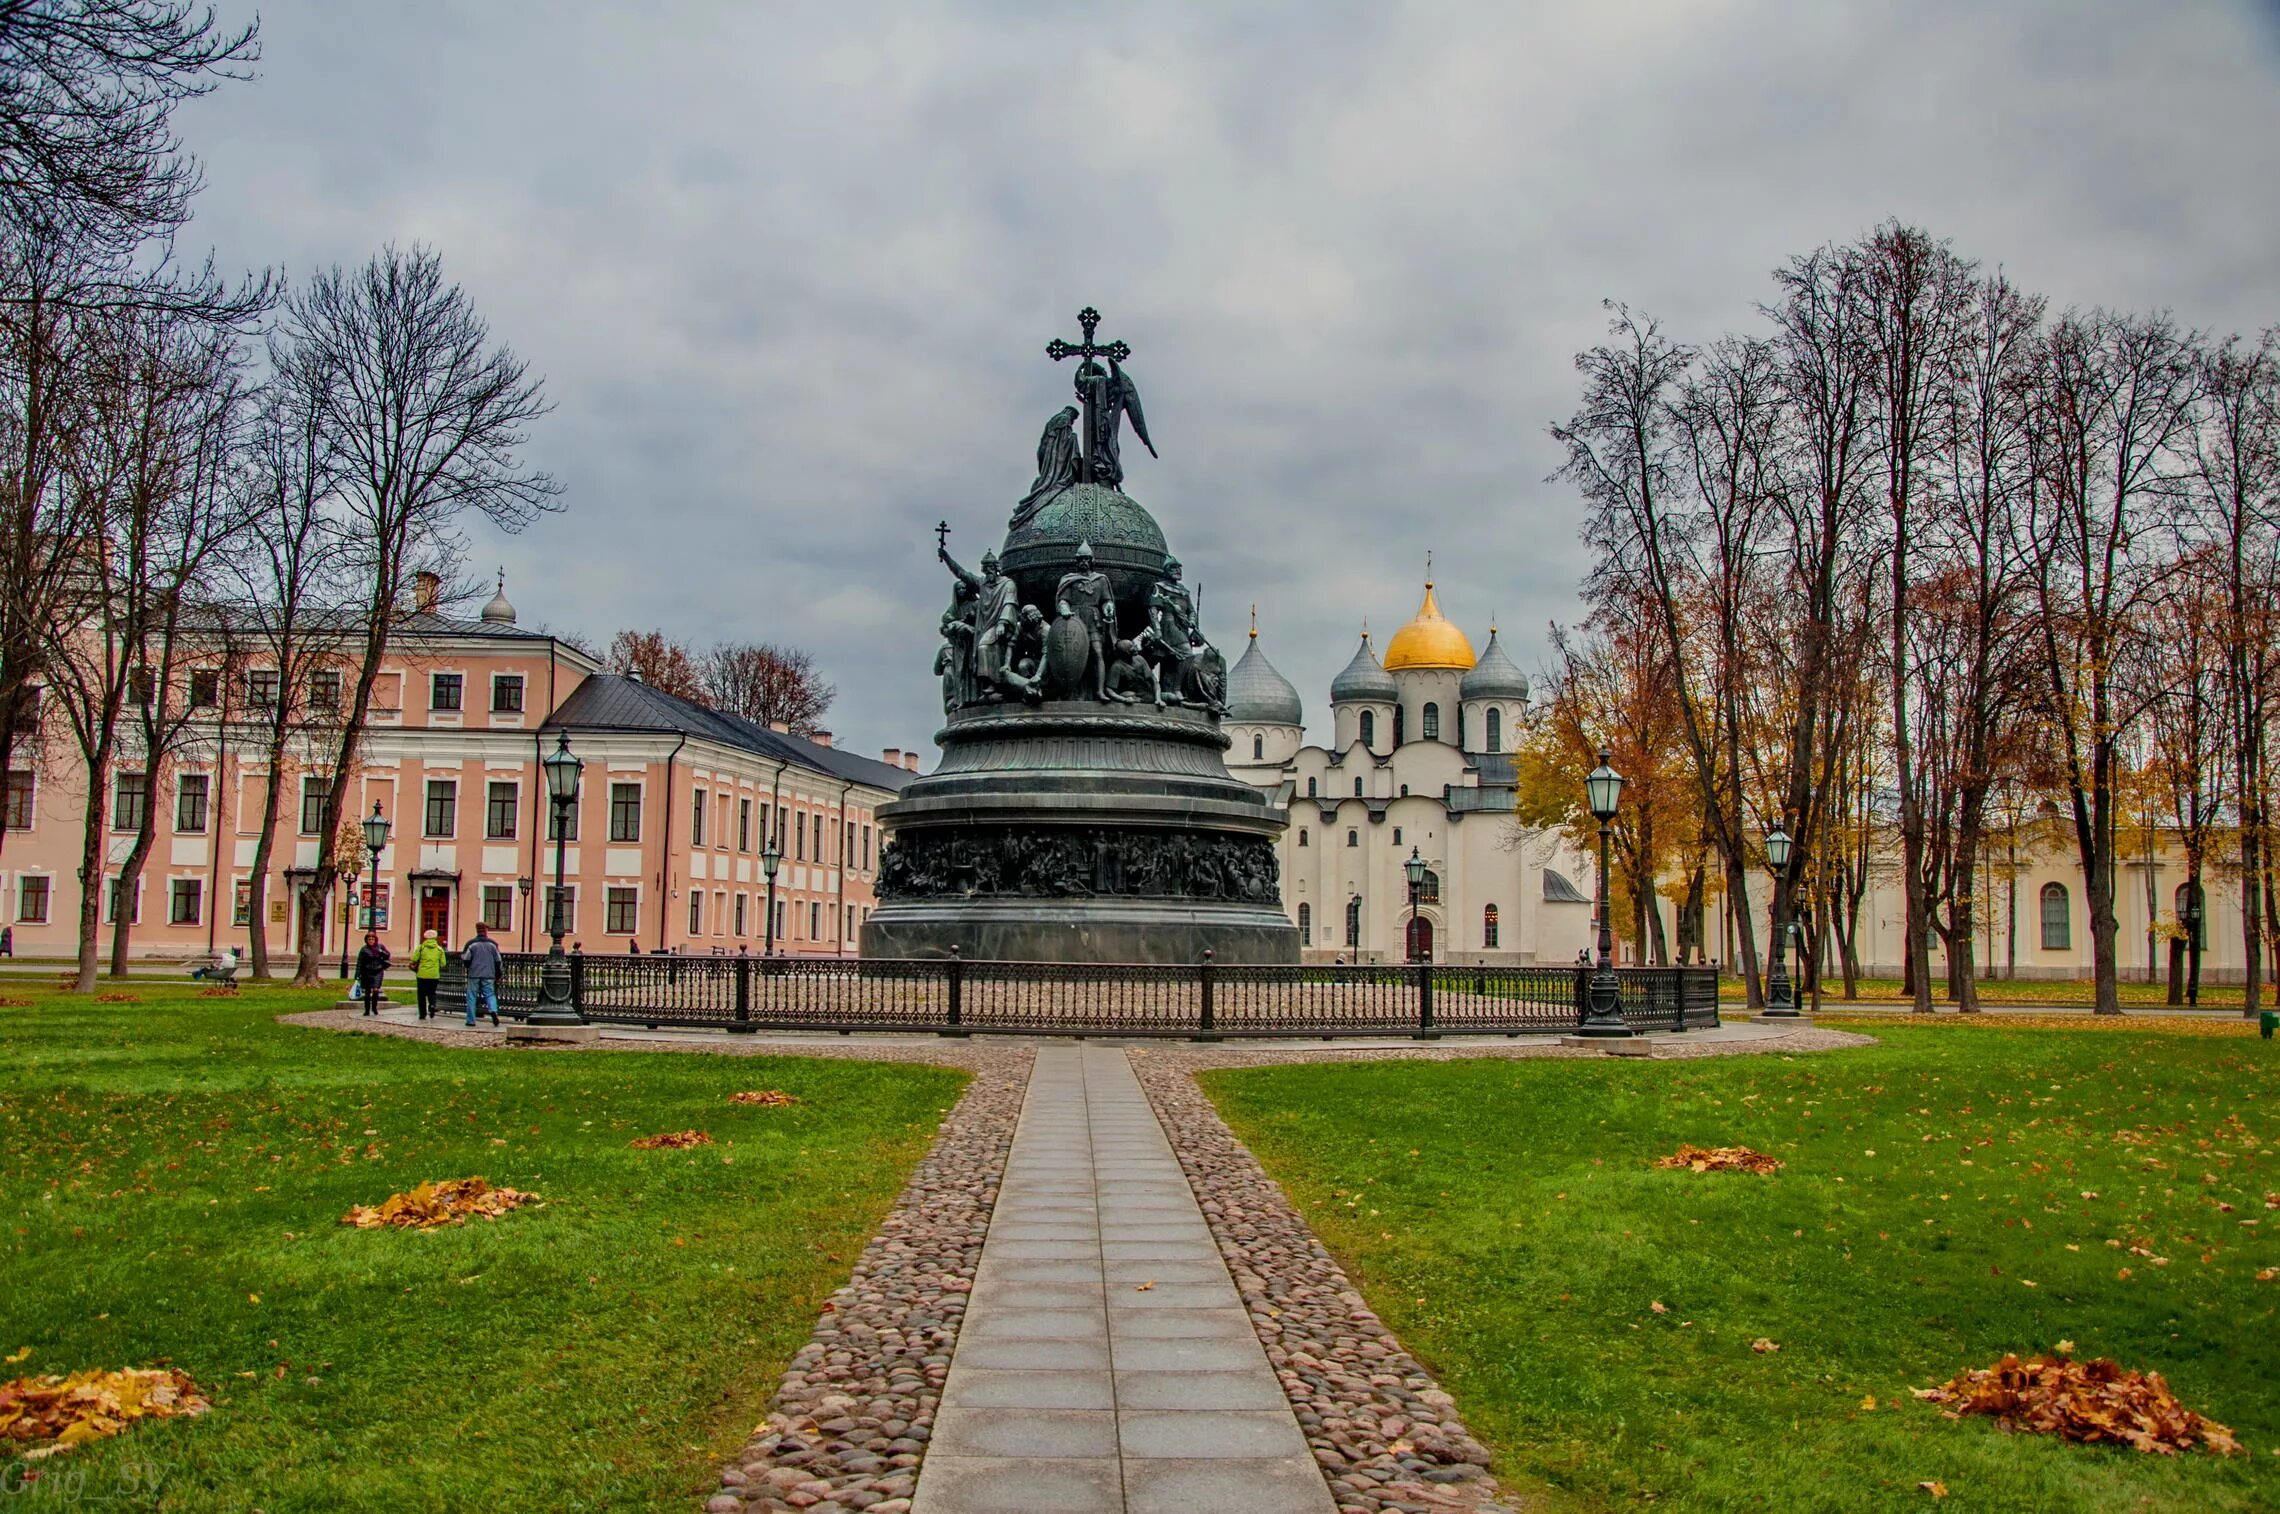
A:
{"points": [[1202, 1000]]}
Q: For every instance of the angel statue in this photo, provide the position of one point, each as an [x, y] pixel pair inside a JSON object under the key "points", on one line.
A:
{"points": [[1112, 396]]}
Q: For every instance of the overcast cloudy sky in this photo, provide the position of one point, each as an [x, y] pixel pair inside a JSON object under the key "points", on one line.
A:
{"points": [[788, 270]]}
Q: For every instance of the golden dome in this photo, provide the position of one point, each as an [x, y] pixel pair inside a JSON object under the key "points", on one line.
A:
{"points": [[1429, 641]]}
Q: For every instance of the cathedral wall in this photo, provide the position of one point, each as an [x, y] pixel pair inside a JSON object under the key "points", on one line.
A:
{"points": [[1437, 687]]}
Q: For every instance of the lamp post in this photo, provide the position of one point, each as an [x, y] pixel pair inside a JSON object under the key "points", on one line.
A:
{"points": [[562, 768], [523, 884], [348, 918], [2193, 943], [1780, 999], [1603, 1012], [375, 837], [770, 859], [1415, 868]]}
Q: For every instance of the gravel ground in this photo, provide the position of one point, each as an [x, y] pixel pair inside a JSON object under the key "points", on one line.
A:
{"points": [[1384, 1433]]}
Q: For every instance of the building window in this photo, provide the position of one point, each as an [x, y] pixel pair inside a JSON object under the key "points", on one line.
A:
{"points": [[1400, 725], [32, 900], [498, 907], [261, 686], [446, 691], [740, 903], [815, 922], [623, 917], [779, 919], [190, 791], [1488, 925], [324, 690], [2057, 919], [780, 824], [1310, 789], [442, 818], [506, 694], [625, 812], [241, 902], [140, 686], [1369, 728], [1302, 835], [1429, 889], [1354, 921], [316, 798], [111, 904], [1306, 925], [562, 908], [1353, 837], [205, 688], [1494, 736], [20, 795], [130, 801], [799, 838], [744, 825], [866, 846], [1258, 748], [1429, 722], [697, 817], [696, 912], [561, 821], [185, 901], [817, 817], [1397, 835], [847, 842], [502, 804]]}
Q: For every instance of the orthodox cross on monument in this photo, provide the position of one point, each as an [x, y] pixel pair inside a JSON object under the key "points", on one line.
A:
{"points": [[1084, 352]]}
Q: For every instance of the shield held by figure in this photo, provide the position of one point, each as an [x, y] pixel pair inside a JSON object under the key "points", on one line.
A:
{"points": [[1068, 648]]}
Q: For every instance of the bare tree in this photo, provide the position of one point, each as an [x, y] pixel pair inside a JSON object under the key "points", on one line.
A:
{"points": [[660, 662], [766, 683], [2111, 409], [87, 96], [427, 417]]}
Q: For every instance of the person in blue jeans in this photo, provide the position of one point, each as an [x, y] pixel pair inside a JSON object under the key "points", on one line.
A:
{"points": [[482, 958]]}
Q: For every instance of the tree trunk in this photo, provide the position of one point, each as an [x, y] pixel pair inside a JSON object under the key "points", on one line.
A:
{"points": [[91, 872], [130, 872]]}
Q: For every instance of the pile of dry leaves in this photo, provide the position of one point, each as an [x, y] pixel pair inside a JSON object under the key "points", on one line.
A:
{"points": [[672, 1140], [449, 1202], [56, 1413], [1720, 1159], [2094, 1401], [762, 1096]]}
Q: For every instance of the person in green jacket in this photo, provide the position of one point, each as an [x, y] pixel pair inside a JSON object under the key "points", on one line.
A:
{"points": [[427, 967]]}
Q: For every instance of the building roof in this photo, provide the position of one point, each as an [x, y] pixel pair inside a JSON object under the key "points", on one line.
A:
{"points": [[1430, 640], [1495, 676], [613, 702], [1260, 695], [1364, 679]]}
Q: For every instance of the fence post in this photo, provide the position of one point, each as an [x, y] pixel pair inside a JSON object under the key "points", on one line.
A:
{"points": [[1425, 1031], [1676, 977], [743, 1023], [1205, 974], [578, 983], [957, 993]]}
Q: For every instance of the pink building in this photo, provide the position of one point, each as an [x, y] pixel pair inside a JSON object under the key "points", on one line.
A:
{"points": [[663, 850]]}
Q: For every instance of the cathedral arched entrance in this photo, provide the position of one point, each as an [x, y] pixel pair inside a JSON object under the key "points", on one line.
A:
{"points": [[1421, 939]]}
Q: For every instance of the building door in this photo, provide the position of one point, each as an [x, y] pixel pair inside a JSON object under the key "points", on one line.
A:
{"points": [[435, 911], [1420, 940]]}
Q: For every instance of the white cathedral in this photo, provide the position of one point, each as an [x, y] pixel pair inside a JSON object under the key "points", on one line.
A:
{"points": [[1419, 766]]}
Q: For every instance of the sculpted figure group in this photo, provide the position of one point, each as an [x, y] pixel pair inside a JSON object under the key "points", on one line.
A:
{"points": [[996, 649], [1079, 862]]}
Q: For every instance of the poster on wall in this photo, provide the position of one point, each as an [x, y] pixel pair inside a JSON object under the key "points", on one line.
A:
{"points": [[375, 902]]}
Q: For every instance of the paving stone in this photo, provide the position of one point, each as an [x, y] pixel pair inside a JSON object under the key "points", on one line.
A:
{"points": [[982, 1388], [966, 1429], [1180, 1433], [1019, 1485], [1279, 1485]]}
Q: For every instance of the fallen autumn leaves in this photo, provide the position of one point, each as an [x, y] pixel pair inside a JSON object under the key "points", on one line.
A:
{"points": [[772, 1096], [2094, 1402], [56, 1413], [449, 1202], [1693, 1158], [671, 1140]]}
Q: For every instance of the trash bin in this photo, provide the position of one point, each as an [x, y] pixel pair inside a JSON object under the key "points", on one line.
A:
{"points": [[2267, 1021]]}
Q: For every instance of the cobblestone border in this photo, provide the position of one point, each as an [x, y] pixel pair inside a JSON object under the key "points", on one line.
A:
{"points": [[1386, 1435], [849, 1423]]}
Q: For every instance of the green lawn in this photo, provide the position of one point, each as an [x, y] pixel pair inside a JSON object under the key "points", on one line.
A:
{"points": [[172, 1176], [2069, 991], [1952, 1194]]}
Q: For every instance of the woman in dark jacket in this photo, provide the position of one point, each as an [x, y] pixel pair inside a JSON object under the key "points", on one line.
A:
{"points": [[371, 966]]}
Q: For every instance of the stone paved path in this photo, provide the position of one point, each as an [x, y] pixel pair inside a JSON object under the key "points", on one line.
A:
{"points": [[1106, 1362]]}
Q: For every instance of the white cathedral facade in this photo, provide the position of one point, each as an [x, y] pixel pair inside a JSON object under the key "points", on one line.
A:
{"points": [[1419, 765]]}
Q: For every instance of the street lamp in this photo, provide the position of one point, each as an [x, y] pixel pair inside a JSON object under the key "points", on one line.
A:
{"points": [[1415, 868], [1780, 999], [2193, 943], [348, 872], [562, 768], [770, 859], [1603, 1012], [524, 884], [375, 837]]}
